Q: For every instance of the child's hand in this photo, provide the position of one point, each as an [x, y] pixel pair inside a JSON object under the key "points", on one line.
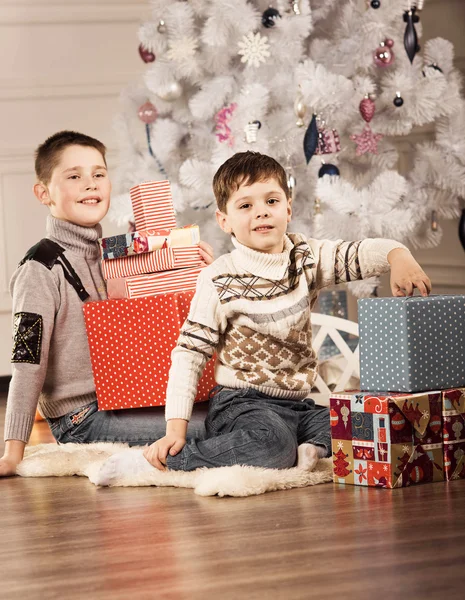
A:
{"points": [[206, 252], [7, 466], [156, 453], [406, 274]]}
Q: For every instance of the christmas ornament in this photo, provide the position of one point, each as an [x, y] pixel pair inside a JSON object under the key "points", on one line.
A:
{"points": [[300, 109], [328, 169], [462, 229], [269, 17], [375, 3], [384, 55], [147, 113], [171, 92], [434, 220], [251, 130], [222, 129], [146, 55], [410, 35], [367, 141], [311, 139], [317, 207], [254, 49], [328, 139], [295, 4], [398, 100], [182, 48], [291, 181], [161, 26]]}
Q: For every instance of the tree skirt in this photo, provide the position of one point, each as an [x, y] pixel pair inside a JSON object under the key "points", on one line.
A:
{"points": [[113, 464]]}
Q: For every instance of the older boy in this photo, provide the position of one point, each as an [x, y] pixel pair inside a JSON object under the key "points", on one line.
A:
{"points": [[252, 307], [50, 361]]}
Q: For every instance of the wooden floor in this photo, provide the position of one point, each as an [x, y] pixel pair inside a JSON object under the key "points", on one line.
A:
{"points": [[64, 538]]}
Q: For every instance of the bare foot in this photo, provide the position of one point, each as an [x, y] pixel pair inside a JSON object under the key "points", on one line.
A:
{"points": [[307, 457]]}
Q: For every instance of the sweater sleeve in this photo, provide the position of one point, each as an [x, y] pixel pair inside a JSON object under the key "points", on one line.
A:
{"points": [[196, 345], [36, 299], [341, 262]]}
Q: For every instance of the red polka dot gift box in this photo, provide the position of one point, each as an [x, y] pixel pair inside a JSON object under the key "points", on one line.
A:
{"points": [[130, 343], [387, 440]]}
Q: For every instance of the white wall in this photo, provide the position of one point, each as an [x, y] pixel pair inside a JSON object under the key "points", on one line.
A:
{"points": [[63, 65]]}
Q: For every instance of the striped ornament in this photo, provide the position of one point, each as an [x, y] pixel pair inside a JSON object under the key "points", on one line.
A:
{"points": [[152, 205], [154, 284], [152, 262]]}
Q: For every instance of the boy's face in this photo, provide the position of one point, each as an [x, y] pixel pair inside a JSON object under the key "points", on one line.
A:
{"points": [[79, 189], [258, 215]]}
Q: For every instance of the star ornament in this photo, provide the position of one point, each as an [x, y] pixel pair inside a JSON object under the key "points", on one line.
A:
{"points": [[367, 141], [254, 49]]}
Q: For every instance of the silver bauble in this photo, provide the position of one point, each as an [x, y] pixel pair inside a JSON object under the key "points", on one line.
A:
{"points": [[291, 182], [171, 92]]}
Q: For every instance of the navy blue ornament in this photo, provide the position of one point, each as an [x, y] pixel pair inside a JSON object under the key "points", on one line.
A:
{"points": [[311, 139], [269, 17], [410, 35], [375, 3], [328, 169], [462, 229]]}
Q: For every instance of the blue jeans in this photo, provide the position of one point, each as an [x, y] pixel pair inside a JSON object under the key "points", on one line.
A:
{"points": [[247, 427], [135, 426]]}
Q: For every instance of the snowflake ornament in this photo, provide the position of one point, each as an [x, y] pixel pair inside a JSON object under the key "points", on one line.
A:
{"points": [[254, 49], [182, 48]]}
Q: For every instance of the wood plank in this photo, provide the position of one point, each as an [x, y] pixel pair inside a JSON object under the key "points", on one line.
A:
{"points": [[65, 538]]}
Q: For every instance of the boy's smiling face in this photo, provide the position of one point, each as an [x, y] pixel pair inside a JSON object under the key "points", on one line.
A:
{"points": [[79, 188], [257, 215]]}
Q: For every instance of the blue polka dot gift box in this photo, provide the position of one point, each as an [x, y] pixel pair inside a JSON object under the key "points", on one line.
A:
{"points": [[386, 440], [412, 344]]}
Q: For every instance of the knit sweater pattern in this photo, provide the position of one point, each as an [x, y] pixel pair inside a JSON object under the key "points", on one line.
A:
{"points": [[253, 310], [61, 379]]}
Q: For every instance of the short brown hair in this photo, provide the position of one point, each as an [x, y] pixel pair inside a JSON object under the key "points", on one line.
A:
{"points": [[47, 155], [246, 167]]}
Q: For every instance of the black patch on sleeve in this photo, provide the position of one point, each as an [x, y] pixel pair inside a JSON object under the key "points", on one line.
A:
{"points": [[27, 338]]}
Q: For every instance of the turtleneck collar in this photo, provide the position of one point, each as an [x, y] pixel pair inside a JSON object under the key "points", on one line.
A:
{"points": [[262, 264], [77, 239]]}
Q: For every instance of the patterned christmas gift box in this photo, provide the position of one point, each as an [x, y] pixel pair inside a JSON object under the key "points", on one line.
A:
{"points": [[152, 205], [130, 345], [388, 441], [140, 242], [412, 344], [160, 260], [453, 417], [151, 285]]}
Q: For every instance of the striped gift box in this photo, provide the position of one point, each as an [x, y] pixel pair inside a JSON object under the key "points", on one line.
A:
{"points": [[160, 260], [152, 205], [153, 284]]}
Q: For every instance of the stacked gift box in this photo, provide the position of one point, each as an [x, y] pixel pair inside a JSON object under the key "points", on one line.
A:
{"points": [[408, 426], [151, 275]]}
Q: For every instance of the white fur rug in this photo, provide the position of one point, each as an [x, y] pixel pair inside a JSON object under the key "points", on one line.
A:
{"points": [[112, 464]]}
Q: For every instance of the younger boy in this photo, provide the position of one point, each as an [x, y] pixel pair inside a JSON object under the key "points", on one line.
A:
{"points": [[50, 361], [252, 307]]}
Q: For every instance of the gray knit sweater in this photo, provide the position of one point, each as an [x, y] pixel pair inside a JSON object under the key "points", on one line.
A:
{"points": [[50, 360]]}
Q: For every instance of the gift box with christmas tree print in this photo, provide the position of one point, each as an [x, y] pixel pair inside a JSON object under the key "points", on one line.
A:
{"points": [[453, 417], [412, 344], [130, 344], [386, 440]]}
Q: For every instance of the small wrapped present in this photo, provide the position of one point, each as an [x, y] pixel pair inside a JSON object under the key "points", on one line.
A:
{"points": [[130, 345], [152, 205], [453, 417], [152, 262], [412, 344], [140, 242], [153, 284], [386, 440]]}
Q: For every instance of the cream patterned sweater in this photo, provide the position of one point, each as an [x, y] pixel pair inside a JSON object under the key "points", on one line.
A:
{"points": [[253, 310]]}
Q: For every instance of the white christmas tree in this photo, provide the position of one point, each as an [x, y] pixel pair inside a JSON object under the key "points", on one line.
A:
{"points": [[318, 85]]}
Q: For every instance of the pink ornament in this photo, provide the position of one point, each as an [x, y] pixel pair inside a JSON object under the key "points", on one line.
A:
{"points": [[222, 129], [328, 141], [384, 55], [367, 109], [146, 55], [147, 113], [367, 141]]}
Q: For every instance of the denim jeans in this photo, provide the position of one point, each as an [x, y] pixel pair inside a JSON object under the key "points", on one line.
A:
{"points": [[136, 426], [246, 427]]}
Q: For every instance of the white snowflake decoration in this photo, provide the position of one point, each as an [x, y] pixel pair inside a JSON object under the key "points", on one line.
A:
{"points": [[182, 48], [254, 49]]}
